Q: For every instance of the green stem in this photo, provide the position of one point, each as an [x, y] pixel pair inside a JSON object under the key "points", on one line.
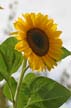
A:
{"points": [[24, 68]]}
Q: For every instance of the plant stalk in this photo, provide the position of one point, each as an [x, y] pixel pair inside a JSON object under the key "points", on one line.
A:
{"points": [[24, 68]]}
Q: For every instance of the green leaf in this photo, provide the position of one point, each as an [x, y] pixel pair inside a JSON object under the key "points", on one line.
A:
{"points": [[10, 88], [41, 92], [65, 53], [1, 77], [10, 59], [3, 68], [25, 91], [29, 77]]}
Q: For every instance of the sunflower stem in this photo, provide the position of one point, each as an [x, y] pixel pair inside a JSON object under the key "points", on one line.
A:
{"points": [[24, 68]]}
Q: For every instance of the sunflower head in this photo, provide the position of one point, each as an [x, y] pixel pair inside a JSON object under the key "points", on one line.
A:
{"points": [[39, 39]]}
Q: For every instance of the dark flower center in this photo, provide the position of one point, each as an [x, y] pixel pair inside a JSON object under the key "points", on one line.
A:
{"points": [[38, 41]]}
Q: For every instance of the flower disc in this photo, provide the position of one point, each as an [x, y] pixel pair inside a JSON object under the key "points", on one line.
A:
{"points": [[38, 41]]}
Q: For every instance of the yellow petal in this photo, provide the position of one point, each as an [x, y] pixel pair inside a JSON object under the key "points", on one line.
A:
{"points": [[49, 23], [21, 36], [19, 26], [34, 60], [55, 43], [28, 19], [21, 46], [43, 20], [55, 54], [56, 34], [54, 27], [24, 23], [27, 52], [14, 33], [49, 62]]}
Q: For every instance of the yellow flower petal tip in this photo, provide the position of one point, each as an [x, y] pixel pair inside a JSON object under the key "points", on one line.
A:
{"points": [[39, 39], [13, 33]]}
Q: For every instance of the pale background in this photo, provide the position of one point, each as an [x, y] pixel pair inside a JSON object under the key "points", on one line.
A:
{"points": [[59, 10]]}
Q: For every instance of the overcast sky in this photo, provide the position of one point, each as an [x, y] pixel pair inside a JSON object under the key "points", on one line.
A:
{"points": [[57, 9]]}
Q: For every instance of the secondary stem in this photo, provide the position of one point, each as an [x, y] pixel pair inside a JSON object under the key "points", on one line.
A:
{"points": [[24, 68]]}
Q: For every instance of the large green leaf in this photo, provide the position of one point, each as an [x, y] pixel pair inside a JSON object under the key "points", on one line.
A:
{"points": [[10, 59], [41, 92], [10, 88], [25, 90], [29, 77], [65, 53], [3, 68]]}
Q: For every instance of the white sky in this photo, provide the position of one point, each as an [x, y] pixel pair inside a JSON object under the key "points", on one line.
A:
{"points": [[59, 10]]}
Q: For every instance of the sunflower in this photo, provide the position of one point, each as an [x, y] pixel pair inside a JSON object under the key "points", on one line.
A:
{"points": [[39, 39]]}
